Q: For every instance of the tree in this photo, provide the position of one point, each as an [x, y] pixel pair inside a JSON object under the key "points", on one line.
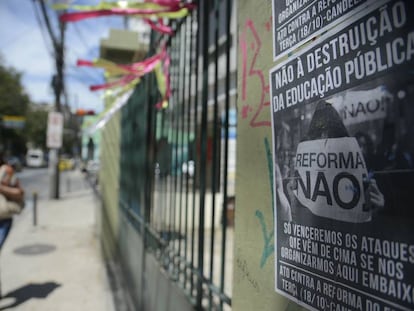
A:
{"points": [[13, 101], [36, 127]]}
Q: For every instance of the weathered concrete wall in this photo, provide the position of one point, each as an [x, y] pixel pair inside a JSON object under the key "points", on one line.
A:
{"points": [[109, 183], [254, 240], [138, 280], [353, 102]]}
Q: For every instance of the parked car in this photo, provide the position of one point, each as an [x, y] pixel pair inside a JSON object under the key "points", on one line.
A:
{"points": [[66, 163], [35, 158]]}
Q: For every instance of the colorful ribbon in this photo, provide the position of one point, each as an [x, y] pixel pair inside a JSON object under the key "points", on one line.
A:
{"points": [[164, 2], [138, 69], [160, 26], [112, 68], [120, 82], [132, 73], [149, 4], [163, 80], [169, 9]]}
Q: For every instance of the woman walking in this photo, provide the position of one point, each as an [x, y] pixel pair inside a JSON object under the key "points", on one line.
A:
{"points": [[11, 200]]}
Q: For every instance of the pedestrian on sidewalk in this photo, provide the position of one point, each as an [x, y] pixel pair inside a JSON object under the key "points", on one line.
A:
{"points": [[11, 200]]}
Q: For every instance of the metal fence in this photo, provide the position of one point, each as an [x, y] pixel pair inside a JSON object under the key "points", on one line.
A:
{"points": [[177, 163]]}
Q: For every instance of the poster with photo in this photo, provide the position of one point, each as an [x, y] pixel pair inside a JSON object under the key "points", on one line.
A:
{"points": [[343, 146]]}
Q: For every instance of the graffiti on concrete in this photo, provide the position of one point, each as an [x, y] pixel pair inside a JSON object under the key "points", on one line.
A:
{"points": [[245, 272], [250, 45], [268, 232]]}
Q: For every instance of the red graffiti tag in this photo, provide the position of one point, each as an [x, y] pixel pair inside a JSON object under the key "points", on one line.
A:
{"points": [[249, 72], [268, 24]]}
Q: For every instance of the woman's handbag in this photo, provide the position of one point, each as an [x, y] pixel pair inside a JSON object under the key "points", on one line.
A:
{"points": [[9, 208]]}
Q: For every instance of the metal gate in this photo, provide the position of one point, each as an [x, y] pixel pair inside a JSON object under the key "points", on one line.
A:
{"points": [[178, 162]]}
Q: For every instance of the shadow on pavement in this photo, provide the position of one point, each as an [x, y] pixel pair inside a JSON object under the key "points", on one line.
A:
{"points": [[25, 293], [35, 249]]}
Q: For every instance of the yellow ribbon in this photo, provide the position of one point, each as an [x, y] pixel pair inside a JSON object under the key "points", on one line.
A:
{"points": [[110, 6], [111, 68], [122, 5]]}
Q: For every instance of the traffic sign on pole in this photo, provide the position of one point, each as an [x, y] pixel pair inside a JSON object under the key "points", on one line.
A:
{"points": [[54, 130]]}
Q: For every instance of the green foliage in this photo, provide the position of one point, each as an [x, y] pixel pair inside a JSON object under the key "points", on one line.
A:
{"points": [[36, 127], [13, 101], [70, 135]]}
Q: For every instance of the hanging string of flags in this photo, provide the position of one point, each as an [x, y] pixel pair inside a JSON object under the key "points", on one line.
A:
{"points": [[123, 78], [131, 74], [158, 9]]}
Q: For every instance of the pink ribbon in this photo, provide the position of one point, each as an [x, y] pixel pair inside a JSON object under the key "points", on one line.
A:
{"points": [[121, 82], [166, 69], [137, 70], [82, 62], [160, 27], [77, 16]]}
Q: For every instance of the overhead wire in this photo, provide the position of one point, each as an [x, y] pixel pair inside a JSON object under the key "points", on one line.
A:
{"points": [[86, 73], [84, 70], [45, 25], [16, 38], [42, 30], [80, 36], [58, 55]]}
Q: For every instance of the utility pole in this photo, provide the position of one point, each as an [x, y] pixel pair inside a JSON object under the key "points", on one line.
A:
{"points": [[58, 87]]}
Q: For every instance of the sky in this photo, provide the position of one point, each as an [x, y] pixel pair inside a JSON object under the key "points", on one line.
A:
{"points": [[26, 46]]}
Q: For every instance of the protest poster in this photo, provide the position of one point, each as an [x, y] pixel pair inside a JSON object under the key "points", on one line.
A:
{"points": [[330, 175], [342, 122], [358, 106], [297, 21]]}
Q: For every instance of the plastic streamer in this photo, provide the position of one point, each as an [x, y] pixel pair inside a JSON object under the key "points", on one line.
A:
{"points": [[149, 4], [131, 74], [168, 9], [120, 82], [160, 26], [123, 89], [111, 68], [137, 69], [163, 80], [164, 2]]}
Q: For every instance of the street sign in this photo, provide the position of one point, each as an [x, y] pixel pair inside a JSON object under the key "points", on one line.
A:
{"points": [[16, 122], [54, 130]]}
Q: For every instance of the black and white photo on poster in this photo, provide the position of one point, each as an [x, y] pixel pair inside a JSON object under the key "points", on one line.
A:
{"points": [[344, 211], [297, 21], [343, 122]]}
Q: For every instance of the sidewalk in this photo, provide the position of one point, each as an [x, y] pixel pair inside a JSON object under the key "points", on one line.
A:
{"points": [[56, 265]]}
